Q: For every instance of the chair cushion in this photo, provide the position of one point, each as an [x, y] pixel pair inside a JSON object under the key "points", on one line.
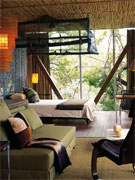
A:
{"points": [[111, 150], [31, 95], [31, 117]]}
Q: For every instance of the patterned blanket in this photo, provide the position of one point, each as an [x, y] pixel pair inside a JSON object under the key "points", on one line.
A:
{"points": [[61, 157]]}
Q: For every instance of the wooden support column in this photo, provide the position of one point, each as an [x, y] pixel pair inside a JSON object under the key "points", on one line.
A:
{"points": [[115, 67], [130, 57], [47, 75]]}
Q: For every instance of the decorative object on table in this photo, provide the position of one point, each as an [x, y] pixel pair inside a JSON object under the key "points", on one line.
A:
{"points": [[118, 130], [110, 134]]}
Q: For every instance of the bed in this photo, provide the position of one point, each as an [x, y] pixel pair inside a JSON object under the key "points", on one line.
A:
{"points": [[49, 108]]}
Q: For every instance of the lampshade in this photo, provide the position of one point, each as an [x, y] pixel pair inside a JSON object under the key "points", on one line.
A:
{"points": [[35, 78], [3, 41], [8, 33], [132, 67]]}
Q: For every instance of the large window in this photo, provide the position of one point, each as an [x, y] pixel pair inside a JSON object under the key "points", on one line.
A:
{"points": [[82, 76]]}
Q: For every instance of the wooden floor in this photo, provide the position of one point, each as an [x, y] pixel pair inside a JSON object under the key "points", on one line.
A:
{"points": [[103, 120]]}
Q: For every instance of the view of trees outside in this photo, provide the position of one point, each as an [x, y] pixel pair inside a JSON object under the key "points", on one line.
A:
{"points": [[65, 70]]}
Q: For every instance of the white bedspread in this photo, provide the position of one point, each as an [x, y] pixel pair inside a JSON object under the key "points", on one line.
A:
{"points": [[47, 108]]}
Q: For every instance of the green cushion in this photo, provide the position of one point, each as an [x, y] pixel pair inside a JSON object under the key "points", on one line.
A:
{"points": [[31, 95], [15, 110], [38, 159], [4, 111], [62, 133], [4, 114], [32, 118]]}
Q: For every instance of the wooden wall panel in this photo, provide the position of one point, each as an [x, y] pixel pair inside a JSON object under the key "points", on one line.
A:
{"points": [[43, 88]]}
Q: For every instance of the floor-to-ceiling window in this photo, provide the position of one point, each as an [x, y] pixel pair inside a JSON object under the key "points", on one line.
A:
{"points": [[82, 76]]}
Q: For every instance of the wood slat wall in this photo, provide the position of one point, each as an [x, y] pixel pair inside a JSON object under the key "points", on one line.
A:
{"points": [[43, 88]]}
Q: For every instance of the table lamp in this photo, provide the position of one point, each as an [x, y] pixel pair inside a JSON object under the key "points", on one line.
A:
{"points": [[34, 78]]}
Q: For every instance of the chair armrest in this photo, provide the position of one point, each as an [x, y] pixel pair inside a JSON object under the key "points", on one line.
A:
{"points": [[116, 142]]}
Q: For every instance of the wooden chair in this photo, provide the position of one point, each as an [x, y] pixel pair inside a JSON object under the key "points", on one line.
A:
{"points": [[125, 102], [119, 151]]}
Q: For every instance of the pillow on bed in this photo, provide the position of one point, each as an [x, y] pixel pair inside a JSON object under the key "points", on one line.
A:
{"points": [[22, 131], [31, 95], [18, 96], [31, 117], [8, 96]]}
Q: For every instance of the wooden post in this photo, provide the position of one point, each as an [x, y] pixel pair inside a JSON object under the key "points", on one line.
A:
{"points": [[47, 75], [130, 57], [115, 67]]}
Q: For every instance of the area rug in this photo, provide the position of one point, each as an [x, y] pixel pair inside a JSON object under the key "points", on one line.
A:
{"points": [[81, 165]]}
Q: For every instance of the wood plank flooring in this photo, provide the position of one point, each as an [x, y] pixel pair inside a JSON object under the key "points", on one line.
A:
{"points": [[103, 120]]}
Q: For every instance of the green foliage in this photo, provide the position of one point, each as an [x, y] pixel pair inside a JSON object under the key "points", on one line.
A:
{"points": [[96, 78], [65, 69], [93, 77]]}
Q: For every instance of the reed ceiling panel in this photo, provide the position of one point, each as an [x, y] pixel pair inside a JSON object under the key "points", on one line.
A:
{"points": [[103, 13]]}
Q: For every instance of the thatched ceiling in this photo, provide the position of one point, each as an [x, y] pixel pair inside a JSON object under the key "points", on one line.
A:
{"points": [[103, 14]]}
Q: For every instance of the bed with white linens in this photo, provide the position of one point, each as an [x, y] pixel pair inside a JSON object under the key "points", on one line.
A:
{"points": [[48, 108]]}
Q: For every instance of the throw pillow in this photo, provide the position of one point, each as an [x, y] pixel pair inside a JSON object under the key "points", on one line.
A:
{"points": [[8, 96], [31, 95], [31, 117], [19, 115], [18, 96], [21, 130]]}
